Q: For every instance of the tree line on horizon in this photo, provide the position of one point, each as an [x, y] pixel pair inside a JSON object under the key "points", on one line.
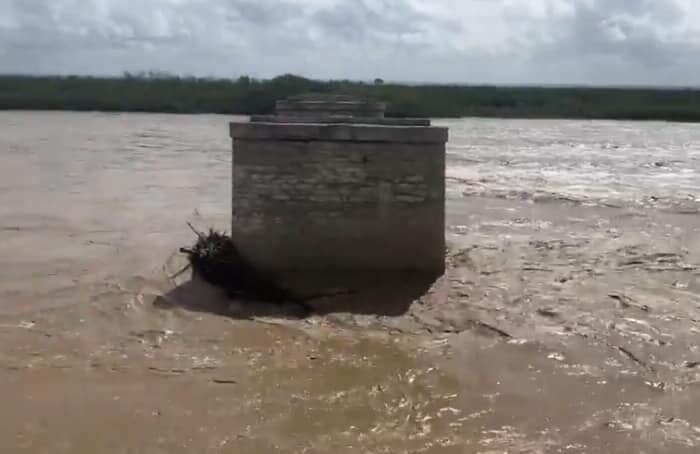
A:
{"points": [[161, 92]]}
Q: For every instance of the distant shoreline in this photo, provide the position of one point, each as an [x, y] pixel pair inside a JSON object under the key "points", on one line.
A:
{"points": [[245, 96]]}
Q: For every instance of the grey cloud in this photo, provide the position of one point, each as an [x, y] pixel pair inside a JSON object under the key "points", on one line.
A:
{"points": [[364, 20], [261, 13], [622, 42], [593, 30], [494, 41]]}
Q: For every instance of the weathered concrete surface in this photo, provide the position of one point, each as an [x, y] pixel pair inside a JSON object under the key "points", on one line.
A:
{"points": [[351, 192], [340, 205], [338, 132]]}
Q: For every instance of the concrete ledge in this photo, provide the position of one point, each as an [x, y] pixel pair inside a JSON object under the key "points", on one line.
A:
{"points": [[330, 106], [349, 120], [338, 132]]}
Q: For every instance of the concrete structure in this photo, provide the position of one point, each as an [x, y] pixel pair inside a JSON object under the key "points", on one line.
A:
{"points": [[331, 185], [315, 106]]}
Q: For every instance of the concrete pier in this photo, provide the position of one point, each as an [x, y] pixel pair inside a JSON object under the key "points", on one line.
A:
{"points": [[329, 184]]}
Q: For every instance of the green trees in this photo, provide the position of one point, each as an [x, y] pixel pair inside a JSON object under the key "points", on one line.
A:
{"points": [[160, 92]]}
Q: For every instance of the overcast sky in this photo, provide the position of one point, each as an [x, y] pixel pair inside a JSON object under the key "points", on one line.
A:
{"points": [[649, 42]]}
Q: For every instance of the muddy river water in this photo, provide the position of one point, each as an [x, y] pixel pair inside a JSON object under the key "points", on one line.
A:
{"points": [[568, 320]]}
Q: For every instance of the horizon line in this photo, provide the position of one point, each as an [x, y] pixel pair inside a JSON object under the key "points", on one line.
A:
{"points": [[155, 75]]}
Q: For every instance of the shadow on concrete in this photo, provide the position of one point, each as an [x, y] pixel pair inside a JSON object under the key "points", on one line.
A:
{"points": [[378, 293]]}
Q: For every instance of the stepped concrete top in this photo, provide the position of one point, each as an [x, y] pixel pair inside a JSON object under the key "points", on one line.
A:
{"points": [[337, 119], [319, 105], [343, 108], [332, 117]]}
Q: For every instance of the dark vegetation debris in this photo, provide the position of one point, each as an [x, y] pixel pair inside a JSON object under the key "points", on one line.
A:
{"points": [[217, 260]]}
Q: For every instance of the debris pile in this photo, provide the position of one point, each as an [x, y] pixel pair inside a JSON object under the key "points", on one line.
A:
{"points": [[216, 259]]}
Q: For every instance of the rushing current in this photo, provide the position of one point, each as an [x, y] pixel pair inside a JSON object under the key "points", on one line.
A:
{"points": [[568, 320]]}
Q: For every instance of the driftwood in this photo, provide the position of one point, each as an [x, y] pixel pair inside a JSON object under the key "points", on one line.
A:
{"points": [[217, 260]]}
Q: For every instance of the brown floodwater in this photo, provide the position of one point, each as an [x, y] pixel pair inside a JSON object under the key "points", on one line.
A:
{"points": [[568, 320]]}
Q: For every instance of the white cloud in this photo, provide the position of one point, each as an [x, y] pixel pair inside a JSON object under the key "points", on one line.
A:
{"points": [[493, 41]]}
